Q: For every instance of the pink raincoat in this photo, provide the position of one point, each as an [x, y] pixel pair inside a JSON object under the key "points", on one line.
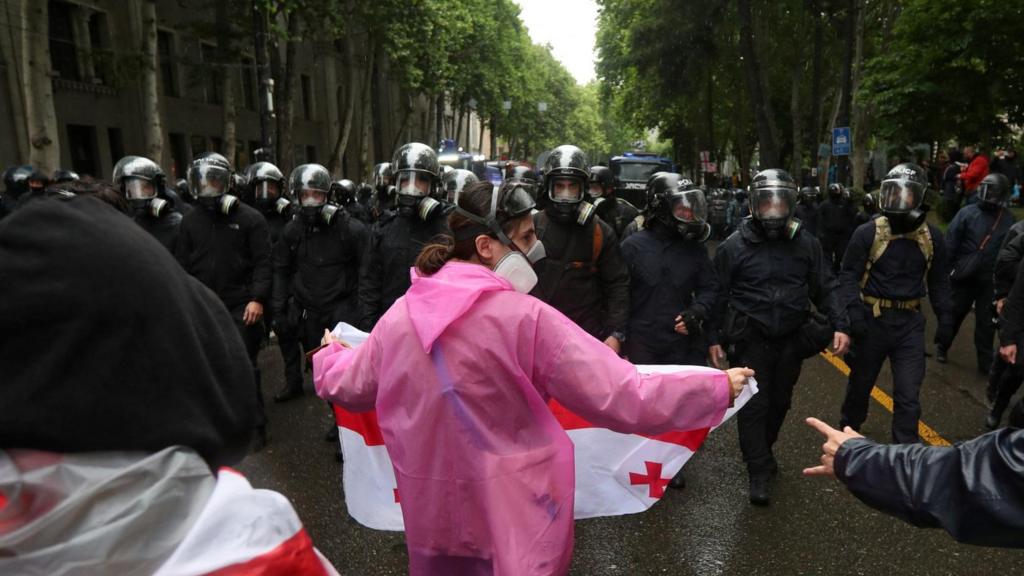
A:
{"points": [[459, 371]]}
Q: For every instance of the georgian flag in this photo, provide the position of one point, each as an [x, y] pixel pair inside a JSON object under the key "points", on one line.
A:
{"points": [[243, 530], [615, 473]]}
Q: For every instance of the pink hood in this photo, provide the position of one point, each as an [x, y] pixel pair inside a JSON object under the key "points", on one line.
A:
{"points": [[435, 302]]}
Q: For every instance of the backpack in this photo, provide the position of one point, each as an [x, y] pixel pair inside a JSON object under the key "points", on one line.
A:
{"points": [[884, 235]]}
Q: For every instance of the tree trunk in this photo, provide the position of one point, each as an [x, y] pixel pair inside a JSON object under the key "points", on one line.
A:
{"points": [[814, 121], [480, 145], [380, 99], [759, 100], [44, 152], [494, 140], [367, 115], [404, 126], [439, 108], [11, 53], [458, 127], [795, 112], [263, 78], [227, 73], [286, 96], [337, 165], [849, 26]]}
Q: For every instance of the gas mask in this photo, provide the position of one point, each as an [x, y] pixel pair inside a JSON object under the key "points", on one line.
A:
{"points": [[517, 269], [323, 214], [694, 231], [142, 196], [224, 204]]}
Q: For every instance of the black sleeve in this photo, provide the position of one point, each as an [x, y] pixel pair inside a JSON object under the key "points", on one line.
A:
{"points": [[183, 246], [823, 289], [1011, 322], [855, 262], [1007, 261], [974, 490], [614, 279], [723, 273], [371, 279], [262, 268], [707, 294], [284, 269], [940, 291]]}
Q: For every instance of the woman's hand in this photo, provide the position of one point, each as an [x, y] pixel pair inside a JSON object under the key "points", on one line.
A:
{"points": [[737, 380], [329, 338]]}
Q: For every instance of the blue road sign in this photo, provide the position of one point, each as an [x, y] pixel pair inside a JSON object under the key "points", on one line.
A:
{"points": [[841, 141]]}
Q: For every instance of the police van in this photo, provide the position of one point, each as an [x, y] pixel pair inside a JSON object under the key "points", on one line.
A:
{"points": [[632, 170]]}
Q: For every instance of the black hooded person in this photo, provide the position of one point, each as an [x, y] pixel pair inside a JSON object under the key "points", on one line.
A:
{"points": [[616, 212], [116, 349], [583, 275], [226, 245], [141, 181], [400, 234], [891, 264], [771, 273]]}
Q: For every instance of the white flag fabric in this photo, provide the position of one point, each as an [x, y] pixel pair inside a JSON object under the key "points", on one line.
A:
{"points": [[615, 473]]}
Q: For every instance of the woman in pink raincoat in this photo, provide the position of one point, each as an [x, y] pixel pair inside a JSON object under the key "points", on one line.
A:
{"points": [[460, 370]]}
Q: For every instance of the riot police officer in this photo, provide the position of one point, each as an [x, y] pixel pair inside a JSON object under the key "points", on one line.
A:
{"points": [[972, 241], [807, 209], [869, 209], [383, 190], [891, 263], [616, 212], [401, 234], [837, 220], [226, 245], [61, 175], [454, 182], [265, 191], [720, 213], [344, 194], [316, 263], [771, 271], [141, 181], [15, 185], [583, 275], [1004, 379]]}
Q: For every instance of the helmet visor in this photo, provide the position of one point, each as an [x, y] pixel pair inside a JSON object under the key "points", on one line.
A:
{"points": [[900, 195], [312, 197], [991, 193], [138, 189], [267, 190], [514, 200], [773, 203], [208, 181], [565, 190], [688, 206], [410, 183]]}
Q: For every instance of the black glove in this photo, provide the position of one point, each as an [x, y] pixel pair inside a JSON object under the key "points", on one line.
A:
{"points": [[694, 323]]}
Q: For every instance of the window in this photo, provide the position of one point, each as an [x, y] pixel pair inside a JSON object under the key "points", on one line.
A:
{"points": [[307, 97], [63, 53], [179, 155], [198, 143], [166, 57], [211, 75], [248, 84], [99, 46], [116, 141], [82, 145]]}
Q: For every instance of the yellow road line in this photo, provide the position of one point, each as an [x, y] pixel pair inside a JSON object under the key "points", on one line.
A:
{"points": [[927, 432]]}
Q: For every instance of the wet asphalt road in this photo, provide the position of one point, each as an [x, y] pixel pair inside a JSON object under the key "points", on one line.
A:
{"points": [[812, 526]]}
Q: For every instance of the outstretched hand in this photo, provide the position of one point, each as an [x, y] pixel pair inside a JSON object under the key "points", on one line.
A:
{"points": [[834, 439], [737, 380], [329, 338]]}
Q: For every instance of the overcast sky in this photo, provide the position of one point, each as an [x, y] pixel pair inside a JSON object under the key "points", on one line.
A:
{"points": [[569, 26]]}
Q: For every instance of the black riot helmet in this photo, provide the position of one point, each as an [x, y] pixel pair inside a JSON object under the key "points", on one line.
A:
{"points": [[526, 177], [382, 177], [870, 203], [310, 188], [772, 199], [343, 192], [994, 190], [416, 171], [140, 180], [809, 195], [16, 180], [61, 176], [901, 197], [602, 182], [455, 182], [181, 187], [566, 177], [659, 186], [210, 180], [509, 201], [682, 208], [266, 186], [837, 192]]}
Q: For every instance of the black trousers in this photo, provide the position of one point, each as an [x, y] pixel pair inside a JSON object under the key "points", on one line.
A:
{"points": [[252, 337], [778, 369], [288, 345], [1003, 382], [898, 336], [977, 293]]}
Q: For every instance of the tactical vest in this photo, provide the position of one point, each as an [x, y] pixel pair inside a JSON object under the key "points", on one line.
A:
{"points": [[884, 235]]}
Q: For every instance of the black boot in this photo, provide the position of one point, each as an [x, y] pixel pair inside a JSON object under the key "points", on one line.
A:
{"points": [[288, 392], [760, 488], [940, 354]]}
